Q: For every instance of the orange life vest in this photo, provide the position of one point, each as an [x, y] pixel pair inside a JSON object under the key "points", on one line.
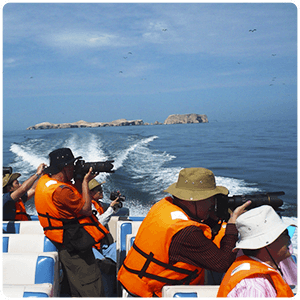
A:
{"points": [[217, 239], [244, 267], [49, 216], [146, 268], [98, 206], [21, 214]]}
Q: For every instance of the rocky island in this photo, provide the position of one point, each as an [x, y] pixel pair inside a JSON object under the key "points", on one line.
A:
{"points": [[172, 119]]}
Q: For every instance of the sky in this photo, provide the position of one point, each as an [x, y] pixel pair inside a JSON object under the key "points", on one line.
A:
{"points": [[100, 62]]}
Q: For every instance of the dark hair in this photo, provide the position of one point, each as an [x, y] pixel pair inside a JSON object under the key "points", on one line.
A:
{"points": [[97, 189], [250, 252]]}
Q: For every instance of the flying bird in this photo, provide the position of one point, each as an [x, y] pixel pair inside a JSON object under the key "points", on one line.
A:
{"points": [[273, 54], [164, 29], [252, 30], [129, 52]]}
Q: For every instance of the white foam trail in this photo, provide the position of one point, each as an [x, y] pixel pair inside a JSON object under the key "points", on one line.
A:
{"points": [[90, 148], [26, 155], [26, 161], [123, 155], [236, 186]]}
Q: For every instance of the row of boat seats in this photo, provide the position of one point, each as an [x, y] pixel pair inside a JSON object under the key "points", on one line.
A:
{"points": [[190, 291], [26, 243], [24, 270], [22, 227], [29, 227]]}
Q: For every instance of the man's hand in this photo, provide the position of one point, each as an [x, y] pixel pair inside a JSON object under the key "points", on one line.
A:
{"points": [[40, 169], [89, 176], [238, 211]]}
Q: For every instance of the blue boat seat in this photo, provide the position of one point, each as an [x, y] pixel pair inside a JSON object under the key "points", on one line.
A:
{"points": [[26, 243], [31, 268], [190, 291], [43, 290], [22, 227], [125, 227]]}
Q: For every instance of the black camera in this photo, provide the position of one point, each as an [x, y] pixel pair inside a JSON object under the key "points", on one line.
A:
{"points": [[232, 202], [114, 195], [81, 167], [7, 170]]}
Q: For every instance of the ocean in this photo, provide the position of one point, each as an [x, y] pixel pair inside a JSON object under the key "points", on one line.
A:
{"points": [[246, 157]]}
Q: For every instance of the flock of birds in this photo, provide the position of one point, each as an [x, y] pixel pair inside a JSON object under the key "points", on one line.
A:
{"points": [[165, 29]]}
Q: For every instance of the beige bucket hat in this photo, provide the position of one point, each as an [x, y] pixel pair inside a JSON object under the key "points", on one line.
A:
{"points": [[8, 178], [195, 184], [259, 227], [94, 183]]}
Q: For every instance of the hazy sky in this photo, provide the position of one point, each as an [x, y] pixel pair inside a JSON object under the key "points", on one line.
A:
{"points": [[104, 61]]}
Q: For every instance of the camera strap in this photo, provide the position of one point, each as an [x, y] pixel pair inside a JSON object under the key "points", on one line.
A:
{"points": [[278, 268]]}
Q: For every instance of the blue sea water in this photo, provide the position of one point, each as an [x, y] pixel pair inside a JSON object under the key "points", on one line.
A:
{"points": [[246, 157]]}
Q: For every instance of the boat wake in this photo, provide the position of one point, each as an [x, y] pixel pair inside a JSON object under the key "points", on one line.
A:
{"points": [[142, 172]]}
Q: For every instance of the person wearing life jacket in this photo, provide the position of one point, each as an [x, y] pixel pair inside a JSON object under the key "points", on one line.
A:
{"points": [[69, 223], [264, 241], [15, 195], [173, 245], [105, 252], [102, 215]]}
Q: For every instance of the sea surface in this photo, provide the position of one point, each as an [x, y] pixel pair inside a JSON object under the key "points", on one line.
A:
{"points": [[246, 157]]}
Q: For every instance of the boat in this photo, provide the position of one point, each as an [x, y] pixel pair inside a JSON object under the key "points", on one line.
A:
{"points": [[31, 266]]}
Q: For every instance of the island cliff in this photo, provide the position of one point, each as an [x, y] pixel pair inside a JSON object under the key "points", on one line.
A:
{"points": [[172, 119], [184, 119]]}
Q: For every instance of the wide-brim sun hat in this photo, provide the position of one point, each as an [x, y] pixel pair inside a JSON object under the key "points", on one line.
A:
{"points": [[8, 178], [195, 184], [60, 158], [94, 183], [259, 227]]}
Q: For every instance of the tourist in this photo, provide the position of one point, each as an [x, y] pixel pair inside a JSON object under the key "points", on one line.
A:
{"points": [[173, 245], [264, 240], [68, 222], [15, 195]]}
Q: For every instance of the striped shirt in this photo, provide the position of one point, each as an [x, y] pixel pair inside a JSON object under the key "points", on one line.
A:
{"points": [[191, 246], [253, 287]]}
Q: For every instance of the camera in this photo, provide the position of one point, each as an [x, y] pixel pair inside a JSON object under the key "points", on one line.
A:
{"points": [[224, 203], [7, 170], [81, 167], [114, 195]]}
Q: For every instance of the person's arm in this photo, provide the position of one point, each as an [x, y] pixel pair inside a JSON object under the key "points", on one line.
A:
{"points": [[190, 245], [86, 210], [27, 184], [31, 191], [105, 217]]}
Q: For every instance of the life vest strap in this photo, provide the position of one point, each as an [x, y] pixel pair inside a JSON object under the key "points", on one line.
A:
{"points": [[67, 223], [150, 258]]}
